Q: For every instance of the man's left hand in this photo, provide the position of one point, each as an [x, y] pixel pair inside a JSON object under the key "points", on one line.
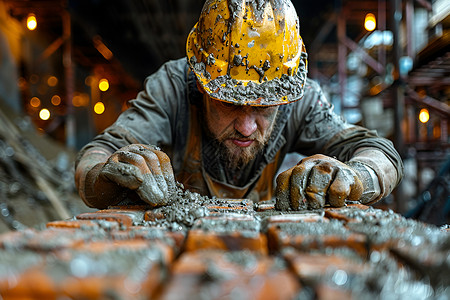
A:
{"points": [[315, 181]]}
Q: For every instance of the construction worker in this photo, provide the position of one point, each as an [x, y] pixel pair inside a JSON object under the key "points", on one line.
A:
{"points": [[221, 122]]}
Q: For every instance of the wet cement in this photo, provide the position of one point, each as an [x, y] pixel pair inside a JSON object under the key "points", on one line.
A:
{"points": [[384, 226], [183, 209], [13, 264]]}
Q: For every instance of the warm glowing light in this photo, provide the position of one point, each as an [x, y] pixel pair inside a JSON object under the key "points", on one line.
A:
{"points": [[99, 108], [35, 102], [31, 22], [52, 81], [103, 85], [56, 100], [424, 115], [370, 23], [44, 114], [102, 48]]}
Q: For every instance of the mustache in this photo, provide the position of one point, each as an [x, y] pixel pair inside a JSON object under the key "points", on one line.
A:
{"points": [[231, 133]]}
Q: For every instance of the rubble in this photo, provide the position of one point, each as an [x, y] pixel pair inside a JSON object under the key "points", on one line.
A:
{"points": [[36, 176]]}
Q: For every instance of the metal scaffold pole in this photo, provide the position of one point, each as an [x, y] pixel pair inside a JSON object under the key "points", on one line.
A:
{"points": [[69, 80]]}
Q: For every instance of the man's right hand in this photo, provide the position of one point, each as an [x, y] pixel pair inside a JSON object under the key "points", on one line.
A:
{"points": [[141, 168]]}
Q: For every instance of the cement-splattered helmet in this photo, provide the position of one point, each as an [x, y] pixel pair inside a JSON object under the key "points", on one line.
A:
{"points": [[248, 52]]}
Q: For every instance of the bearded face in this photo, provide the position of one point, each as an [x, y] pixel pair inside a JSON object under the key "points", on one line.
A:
{"points": [[240, 131]]}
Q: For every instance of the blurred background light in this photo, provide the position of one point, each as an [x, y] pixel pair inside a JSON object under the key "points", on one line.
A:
{"points": [[103, 85], [424, 115], [31, 22], [44, 114], [35, 102], [99, 108], [370, 22], [52, 81], [56, 100]]}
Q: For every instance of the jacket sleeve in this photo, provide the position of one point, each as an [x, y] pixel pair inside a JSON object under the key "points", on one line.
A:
{"points": [[317, 129], [150, 119]]}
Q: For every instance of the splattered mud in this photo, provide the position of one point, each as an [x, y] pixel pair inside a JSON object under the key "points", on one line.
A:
{"points": [[266, 93]]}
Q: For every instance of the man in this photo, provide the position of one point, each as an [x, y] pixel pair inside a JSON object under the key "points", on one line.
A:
{"points": [[221, 121]]}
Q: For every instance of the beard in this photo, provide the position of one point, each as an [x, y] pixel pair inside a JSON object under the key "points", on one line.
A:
{"points": [[236, 157]]}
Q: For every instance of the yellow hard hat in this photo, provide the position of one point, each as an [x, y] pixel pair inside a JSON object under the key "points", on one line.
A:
{"points": [[248, 52]]}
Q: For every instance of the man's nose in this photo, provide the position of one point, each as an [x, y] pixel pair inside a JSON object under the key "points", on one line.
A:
{"points": [[245, 123]]}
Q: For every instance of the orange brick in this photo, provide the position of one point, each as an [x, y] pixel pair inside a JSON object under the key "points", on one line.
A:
{"points": [[128, 269], [227, 233], [198, 239], [122, 219], [319, 235], [13, 265], [349, 213], [234, 275], [73, 224], [143, 207], [86, 225], [32, 284], [135, 213], [98, 247], [326, 291], [16, 239], [315, 265], [263, 206], [359, 213], [110, 245], [295, 218], [378, 238], [49, 239], [232, 205], [152, 215], [174, 239]]}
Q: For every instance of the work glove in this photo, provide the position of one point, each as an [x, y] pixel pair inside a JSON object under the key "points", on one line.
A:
{"points": [[316, 181], [140, 168]]}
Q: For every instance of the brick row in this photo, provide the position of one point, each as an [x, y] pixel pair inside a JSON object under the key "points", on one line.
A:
{"points": [[216, 274], [231, 249]]}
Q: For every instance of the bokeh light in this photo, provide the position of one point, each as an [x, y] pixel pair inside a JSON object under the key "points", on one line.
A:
{"points": [[52, 81], [35, 102], [56, 100], [370, 23], [99, 108], [44, 114], [424, 115], [103, 85], [31, 22]]}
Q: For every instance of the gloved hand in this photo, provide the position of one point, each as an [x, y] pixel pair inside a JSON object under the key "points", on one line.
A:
{"points": [[140, 168], [315, 181]]}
